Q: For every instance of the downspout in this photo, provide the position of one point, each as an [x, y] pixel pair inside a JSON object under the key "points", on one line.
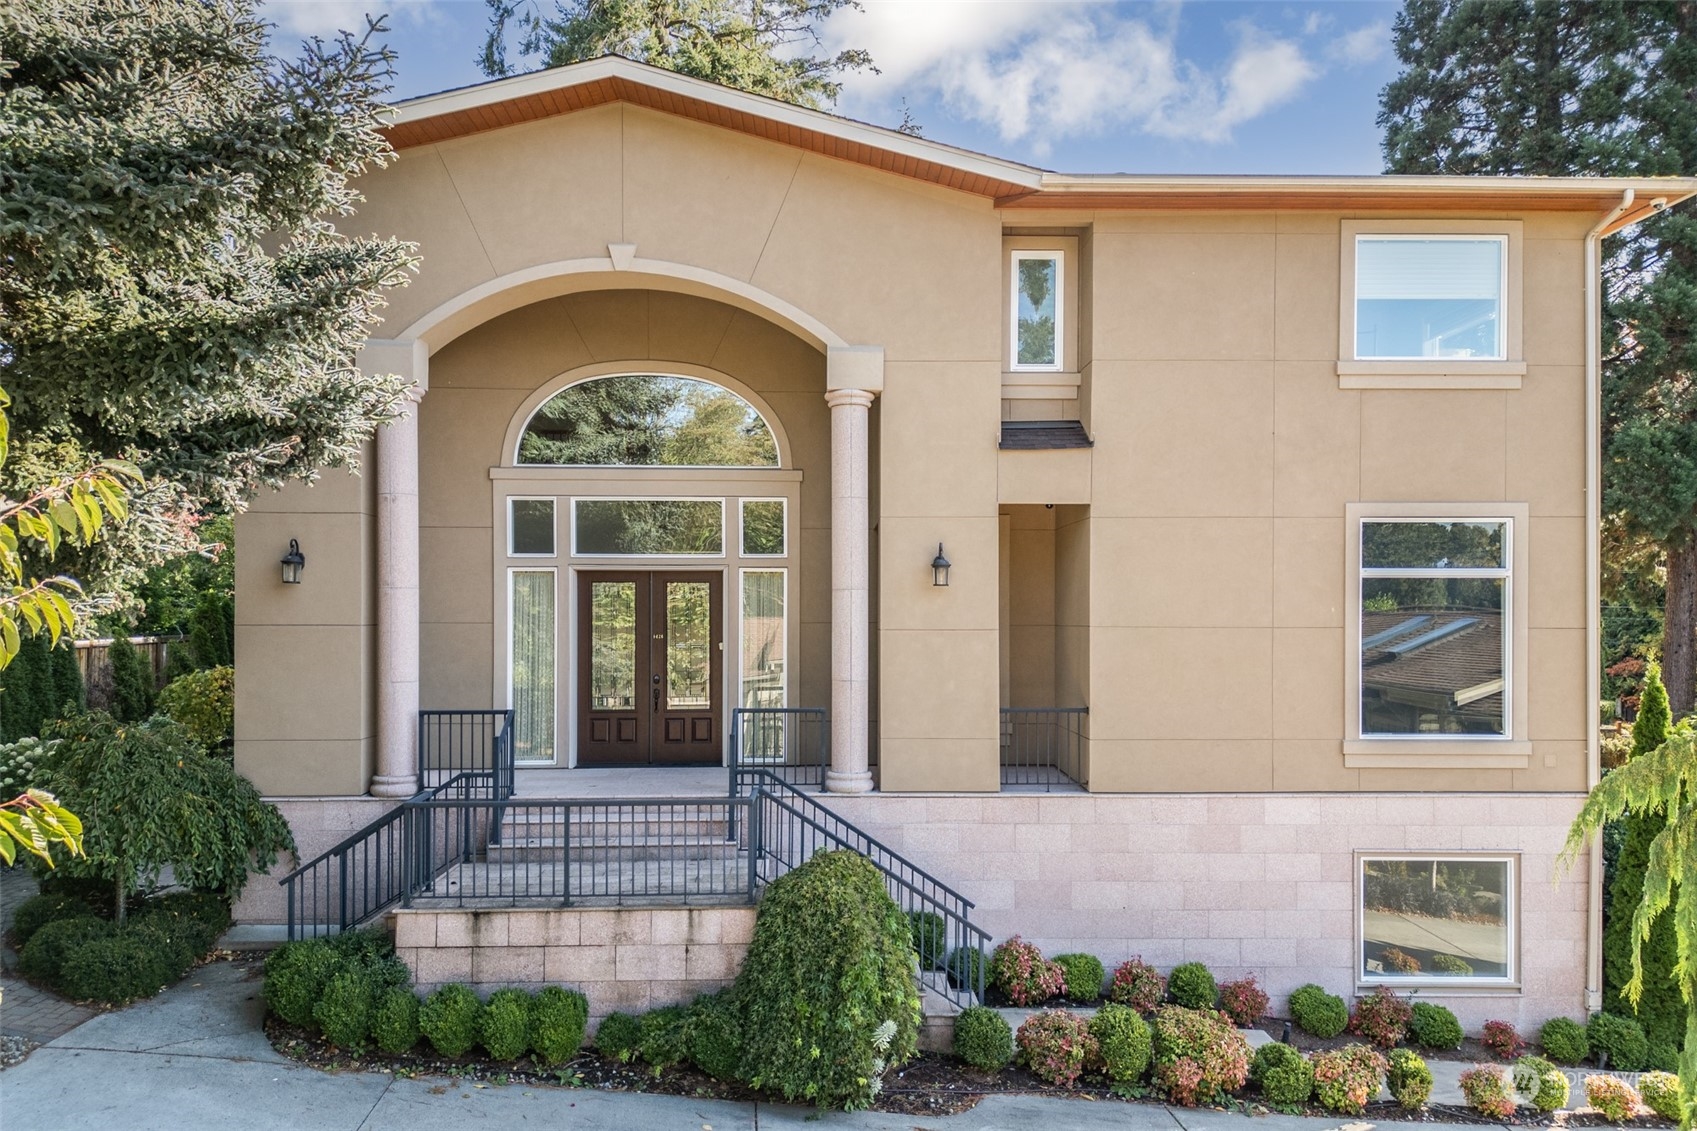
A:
{"points": [[1593, 586]]}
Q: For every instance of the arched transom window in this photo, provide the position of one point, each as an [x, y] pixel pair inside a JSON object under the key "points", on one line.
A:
{"points": [[645, 420]]}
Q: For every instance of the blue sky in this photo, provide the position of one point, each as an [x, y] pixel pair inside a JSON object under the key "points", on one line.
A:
{"points": [[1209, 86]]}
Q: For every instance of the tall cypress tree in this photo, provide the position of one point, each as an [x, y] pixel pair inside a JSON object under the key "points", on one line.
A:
{"points": [[1559, 87]]}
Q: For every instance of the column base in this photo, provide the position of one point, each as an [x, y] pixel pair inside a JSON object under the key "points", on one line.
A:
{"points": [[385, 785], [848, 781]]}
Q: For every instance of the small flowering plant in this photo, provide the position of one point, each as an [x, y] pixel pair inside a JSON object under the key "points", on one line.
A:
{"points": [[1055, 1045], [1244, 1001], [1501, 1038], [1382, 1017], [1018, 969], [1139, 985], [1488, 1091], [1346, 1079], [19, 765]]}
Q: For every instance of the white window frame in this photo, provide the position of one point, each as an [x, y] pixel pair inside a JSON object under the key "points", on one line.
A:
{"points": [[512, 526], [1442, 751], [742, 544], [560, 669], [1015, 258], [724, 544], [1504, 372], [1463, 984]]}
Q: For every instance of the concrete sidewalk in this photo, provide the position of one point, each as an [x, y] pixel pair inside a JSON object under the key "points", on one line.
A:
{"points": [[196, 1056]]}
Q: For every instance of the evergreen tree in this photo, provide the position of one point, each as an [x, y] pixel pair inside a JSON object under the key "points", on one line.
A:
{"points": [[26, 690], [212, 631], [1560, 87], [70, 697], [132, 682], [753, 45]]}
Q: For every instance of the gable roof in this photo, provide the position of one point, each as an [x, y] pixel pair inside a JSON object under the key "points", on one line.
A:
{"points": [[610, 79]]}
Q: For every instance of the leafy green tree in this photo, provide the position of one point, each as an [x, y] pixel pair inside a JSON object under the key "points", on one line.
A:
{"points": [[755, 45], [169, 591], [175, 289]]}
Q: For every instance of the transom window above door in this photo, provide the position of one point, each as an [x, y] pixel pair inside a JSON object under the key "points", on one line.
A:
{"points": [[647, 420]]}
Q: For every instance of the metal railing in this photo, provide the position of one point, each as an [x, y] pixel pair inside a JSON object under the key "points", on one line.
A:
{"points": [[455, 743], [792, 743], [1043, 747]]}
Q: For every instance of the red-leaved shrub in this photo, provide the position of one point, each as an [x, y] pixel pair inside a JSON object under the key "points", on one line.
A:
{"points": [[1055, 1045], [1345, 1079], [1244, 1001], [1488, 1091], [1137, 984], [1199, 1056], [1018, 969], [1382, 1017], [1502, 1040]]}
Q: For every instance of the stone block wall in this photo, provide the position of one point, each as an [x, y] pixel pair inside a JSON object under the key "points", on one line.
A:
{"points": [[319, 824]]}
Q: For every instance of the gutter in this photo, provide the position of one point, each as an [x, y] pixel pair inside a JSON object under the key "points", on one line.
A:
{"points": [[1593, 583]]}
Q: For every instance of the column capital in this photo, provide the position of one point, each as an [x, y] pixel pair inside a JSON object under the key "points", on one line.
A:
{"points": [[849, 398], [409, 358], [855, 367]]}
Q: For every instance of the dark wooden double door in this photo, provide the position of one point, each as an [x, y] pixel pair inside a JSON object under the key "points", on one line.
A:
{"points": [[650, 668]]}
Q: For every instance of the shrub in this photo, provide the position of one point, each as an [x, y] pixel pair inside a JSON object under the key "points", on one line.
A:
{"points": [[1317, 1012], [451, 1019], [1382, 1017], [1542, 1081], [930, 938], [394, 1021], [1198, 1056], [1409, 1079], [663, 1037], [1434, 1027], [714, 1035], [967, 966], [1018, 970], [1346, 1079], [504, 1029], [1450, 965], [1661, 1056], [344, 1011], [43, 957], [1399, 961], [132, 682], [827, 990], [1618, 1042], [1285, 1076], [618, 1036], [207, 911], [1137, 984], [295, 975], [558, 1018], [1564, 1040], [1500, 1037], [1192, 986], [115, 968], [1488, 1092], [1083, 975], [1055, 1045], [37, 911], [176, 942], [983, 1038], [1660, 1093], [1611, 1096], [1244, 1001], [1123, 1042], [204, 702]]}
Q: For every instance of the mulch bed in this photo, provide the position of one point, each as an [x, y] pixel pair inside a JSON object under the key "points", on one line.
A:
{"points": [[1470, 1052]]}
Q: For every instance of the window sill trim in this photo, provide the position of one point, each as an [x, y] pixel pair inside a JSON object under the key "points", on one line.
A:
{"points": [[1436, 987], [1438, 374], [1435, 754]]}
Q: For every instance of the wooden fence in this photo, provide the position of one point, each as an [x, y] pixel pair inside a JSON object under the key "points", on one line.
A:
{"points": [[97, 668]]}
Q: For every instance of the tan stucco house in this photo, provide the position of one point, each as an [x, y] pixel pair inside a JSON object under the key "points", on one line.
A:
{"points": [[1269, 635]]}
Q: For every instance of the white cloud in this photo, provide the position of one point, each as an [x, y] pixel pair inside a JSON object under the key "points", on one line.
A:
{"points": [[324, 18], [1041, 71], [1366, 44]]}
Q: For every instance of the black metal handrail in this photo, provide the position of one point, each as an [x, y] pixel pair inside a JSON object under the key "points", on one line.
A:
{"points": [[451, 743], [793, 743], [1043, 747]]}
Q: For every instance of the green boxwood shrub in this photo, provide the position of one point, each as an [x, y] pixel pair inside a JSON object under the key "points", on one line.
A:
{"points": [[1123, 1042], [343, 1011], [558, 1018], [1661, 1056], [394, 1023], [1192, 986], [1542, 1082], [930, 938], [1408, 1078], [1346, 1079], [663, 1037], [827, 989], [617, 1037], [1434, 1027], [504, 1029], [1564, 1041], [117, 968], [1198, 1056], [714, 1036], [451, 1019], [1317, 1012], [1619, 1041], [983, 1038], [1285, 1076], [37, 911], [1084, 975], [1660, 1093], [43, 957], [968, 966], [297, 973], [173, 942]]}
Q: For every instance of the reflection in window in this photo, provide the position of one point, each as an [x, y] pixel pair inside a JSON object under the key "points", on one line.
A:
{"points": [[763, 527], [1036, 310], [1437, 918], [533, 526], [1429, 297], [645, 421], [1434, 601], [612, 645], [689, 645], [533, 665], [649, 526]]}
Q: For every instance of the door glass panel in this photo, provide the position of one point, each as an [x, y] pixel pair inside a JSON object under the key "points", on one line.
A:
{"points": [[650, 526], [612, 645], [533, 661], [763, 638], [689, 643]]}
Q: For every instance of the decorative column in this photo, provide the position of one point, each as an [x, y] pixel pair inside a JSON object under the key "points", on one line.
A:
{"points": [[854, 375], [397, 574]]}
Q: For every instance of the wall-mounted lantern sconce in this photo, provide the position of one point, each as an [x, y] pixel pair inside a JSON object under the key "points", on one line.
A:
{"points": [[939, 568], [293, 562]]}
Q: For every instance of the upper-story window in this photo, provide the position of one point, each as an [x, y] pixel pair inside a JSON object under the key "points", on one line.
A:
{"points": [[1430, 296], [638, 420], [1037, 310]]}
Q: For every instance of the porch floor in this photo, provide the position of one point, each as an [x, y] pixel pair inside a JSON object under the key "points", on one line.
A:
{"points": [[622, 781], [673, 880]]}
